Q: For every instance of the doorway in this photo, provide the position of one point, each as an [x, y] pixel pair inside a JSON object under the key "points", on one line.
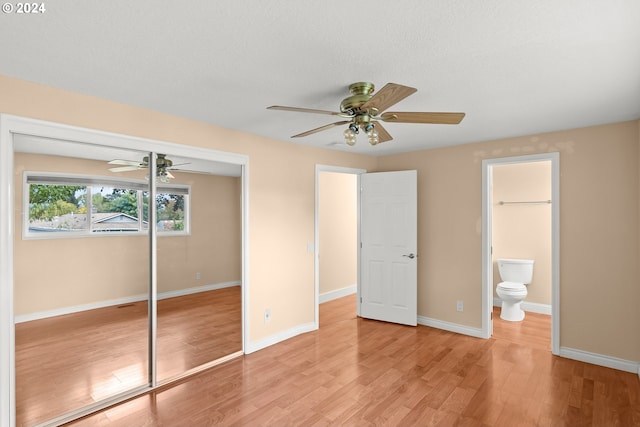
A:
{"points": [[336, 234], [380, 235], [490, 251]]}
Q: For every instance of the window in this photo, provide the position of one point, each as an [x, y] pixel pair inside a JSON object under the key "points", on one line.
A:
{"points": [[71, 205]]}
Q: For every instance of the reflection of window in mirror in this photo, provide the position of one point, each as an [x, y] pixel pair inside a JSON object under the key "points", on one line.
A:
{"points": [[73, 205]]}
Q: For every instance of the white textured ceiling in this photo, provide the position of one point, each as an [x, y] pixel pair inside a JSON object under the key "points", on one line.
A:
{"points": [[516, 67]]}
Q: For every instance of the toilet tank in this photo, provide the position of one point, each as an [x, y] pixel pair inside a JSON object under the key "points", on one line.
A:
{"points": [[516, 270]]}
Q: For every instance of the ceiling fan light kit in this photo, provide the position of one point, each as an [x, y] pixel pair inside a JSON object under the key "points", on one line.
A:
{"points": [[365, 110], [161, 176]]}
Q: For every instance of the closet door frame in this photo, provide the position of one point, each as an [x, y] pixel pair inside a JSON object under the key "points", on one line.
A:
{"points": [[11, 125]]}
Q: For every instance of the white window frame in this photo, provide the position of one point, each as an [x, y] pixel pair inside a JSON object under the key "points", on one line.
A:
{"points": [[53, 178]]}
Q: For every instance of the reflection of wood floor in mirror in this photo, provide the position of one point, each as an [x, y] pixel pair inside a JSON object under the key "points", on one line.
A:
{"points": [[69, 361], [357, 372]]}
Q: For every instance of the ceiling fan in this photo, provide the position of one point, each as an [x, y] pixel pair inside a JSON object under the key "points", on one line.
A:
{"points": [[163, 166], [365, 110]]}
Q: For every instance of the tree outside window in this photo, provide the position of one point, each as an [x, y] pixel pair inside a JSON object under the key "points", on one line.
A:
{"points": [[102, 208]]}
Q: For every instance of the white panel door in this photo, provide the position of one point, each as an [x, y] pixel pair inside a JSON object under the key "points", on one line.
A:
{"points": [[388, 257]]}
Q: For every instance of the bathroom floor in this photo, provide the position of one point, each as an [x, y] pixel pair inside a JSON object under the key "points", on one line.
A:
{"points": [[533, 331]]}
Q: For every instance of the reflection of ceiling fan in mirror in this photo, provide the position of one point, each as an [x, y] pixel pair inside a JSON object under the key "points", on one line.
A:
{"points": [[364, 110], [163, 166]]}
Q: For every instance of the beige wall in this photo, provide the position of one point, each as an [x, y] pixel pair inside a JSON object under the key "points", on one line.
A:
{"points": [[56, 273], [523, 230], [600, 192], [598, 232], [338, 205], [281, 190], [214, 246]]}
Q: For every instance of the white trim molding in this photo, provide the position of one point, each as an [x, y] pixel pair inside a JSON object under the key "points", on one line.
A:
{"points": [[451, 327], [7, 338], [338, 293], [195, 290], [601, 360], [119, 301], [279, 337], [533, 307]]}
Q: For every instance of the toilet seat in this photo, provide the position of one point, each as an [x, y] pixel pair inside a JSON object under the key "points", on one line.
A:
{"points": [[512, 286]]}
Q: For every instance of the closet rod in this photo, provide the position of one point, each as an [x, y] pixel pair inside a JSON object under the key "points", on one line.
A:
{"points": [[538, 202]]}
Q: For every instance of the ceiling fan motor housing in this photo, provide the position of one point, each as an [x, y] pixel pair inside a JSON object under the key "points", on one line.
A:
{"points": [[360, 93], [162, 161]]}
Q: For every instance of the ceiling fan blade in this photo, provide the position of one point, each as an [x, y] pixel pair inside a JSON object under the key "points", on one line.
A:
{"points": [[416, 117], [389, 95], [186, 170], [321, 128], [124, 162], [383, 135], [175, 165], [304, 110], [124, 169]]}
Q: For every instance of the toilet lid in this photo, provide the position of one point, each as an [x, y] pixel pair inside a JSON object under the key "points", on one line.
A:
{"points": [[512, 286]]}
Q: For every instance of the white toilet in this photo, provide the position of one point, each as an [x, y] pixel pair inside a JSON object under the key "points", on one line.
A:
{"points": [[516, 275]]}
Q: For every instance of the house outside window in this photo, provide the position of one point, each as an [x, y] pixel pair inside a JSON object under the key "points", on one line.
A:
{"points": [[57, 205]]}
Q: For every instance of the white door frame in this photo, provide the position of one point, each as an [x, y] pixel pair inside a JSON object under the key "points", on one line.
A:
{"points": [[487, 267], [316, 260], [10, 125]]}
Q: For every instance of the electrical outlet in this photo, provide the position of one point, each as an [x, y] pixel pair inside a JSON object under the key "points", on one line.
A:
{"points": [[460, 305], [198, 276], [267, 315]]}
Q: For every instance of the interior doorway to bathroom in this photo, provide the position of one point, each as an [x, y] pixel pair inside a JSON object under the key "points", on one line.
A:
{"points": [[521, 220]]}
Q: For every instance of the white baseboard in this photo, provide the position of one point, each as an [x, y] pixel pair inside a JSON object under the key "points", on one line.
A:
{"points": [[279, 337], [532, 307], [601, 360], [338, 293], [195, 290], [120, 301], [451, 327], [569, 353]]}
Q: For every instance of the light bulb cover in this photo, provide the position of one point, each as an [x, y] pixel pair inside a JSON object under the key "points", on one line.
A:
{"points": [[349, 133]]}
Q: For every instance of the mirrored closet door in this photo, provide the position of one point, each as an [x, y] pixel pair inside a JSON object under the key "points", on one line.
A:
{"points": [[127, 271], [199, 257], [81, 278]]}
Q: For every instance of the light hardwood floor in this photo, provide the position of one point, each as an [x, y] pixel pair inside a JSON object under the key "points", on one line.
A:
{"points": [[66, 362], [357, 372]]}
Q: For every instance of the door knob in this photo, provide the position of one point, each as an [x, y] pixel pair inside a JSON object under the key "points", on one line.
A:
{"points": [[410, 256]]}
